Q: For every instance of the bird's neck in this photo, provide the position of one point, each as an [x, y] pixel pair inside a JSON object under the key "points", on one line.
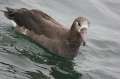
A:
{"points": [[74, 39]]}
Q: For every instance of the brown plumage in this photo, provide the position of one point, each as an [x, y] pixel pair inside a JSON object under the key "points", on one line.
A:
{"points": [[47, 32]]}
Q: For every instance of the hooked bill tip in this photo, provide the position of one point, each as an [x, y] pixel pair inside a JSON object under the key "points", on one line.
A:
{"points": [[84, 43]]}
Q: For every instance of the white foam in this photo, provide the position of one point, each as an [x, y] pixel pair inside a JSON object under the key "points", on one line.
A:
{"points": [[25, 31], [13, 23]]}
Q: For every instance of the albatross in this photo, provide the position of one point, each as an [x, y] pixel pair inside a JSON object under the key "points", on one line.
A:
{"points": [[49, 33]]}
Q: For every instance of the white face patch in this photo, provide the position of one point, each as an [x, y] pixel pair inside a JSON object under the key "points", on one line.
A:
{"points": [[84, 25], [14, 24]]}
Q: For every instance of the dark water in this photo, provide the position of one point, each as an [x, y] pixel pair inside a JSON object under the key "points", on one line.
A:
{"points": [[100, 59]]}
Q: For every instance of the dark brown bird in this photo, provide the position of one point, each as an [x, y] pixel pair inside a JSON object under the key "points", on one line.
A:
{"points": [[47, 32]]}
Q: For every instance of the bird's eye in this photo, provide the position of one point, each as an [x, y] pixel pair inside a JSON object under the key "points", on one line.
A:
{"points": [[77, 23]]}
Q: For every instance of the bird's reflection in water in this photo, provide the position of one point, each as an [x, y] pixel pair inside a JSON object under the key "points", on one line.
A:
{"points": [[61, 68]]}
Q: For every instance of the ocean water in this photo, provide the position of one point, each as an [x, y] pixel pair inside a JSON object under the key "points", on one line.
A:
{"points": [[100, 59]]}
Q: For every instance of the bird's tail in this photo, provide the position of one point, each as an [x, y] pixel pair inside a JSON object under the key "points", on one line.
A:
{"points": [[9, 12]]}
